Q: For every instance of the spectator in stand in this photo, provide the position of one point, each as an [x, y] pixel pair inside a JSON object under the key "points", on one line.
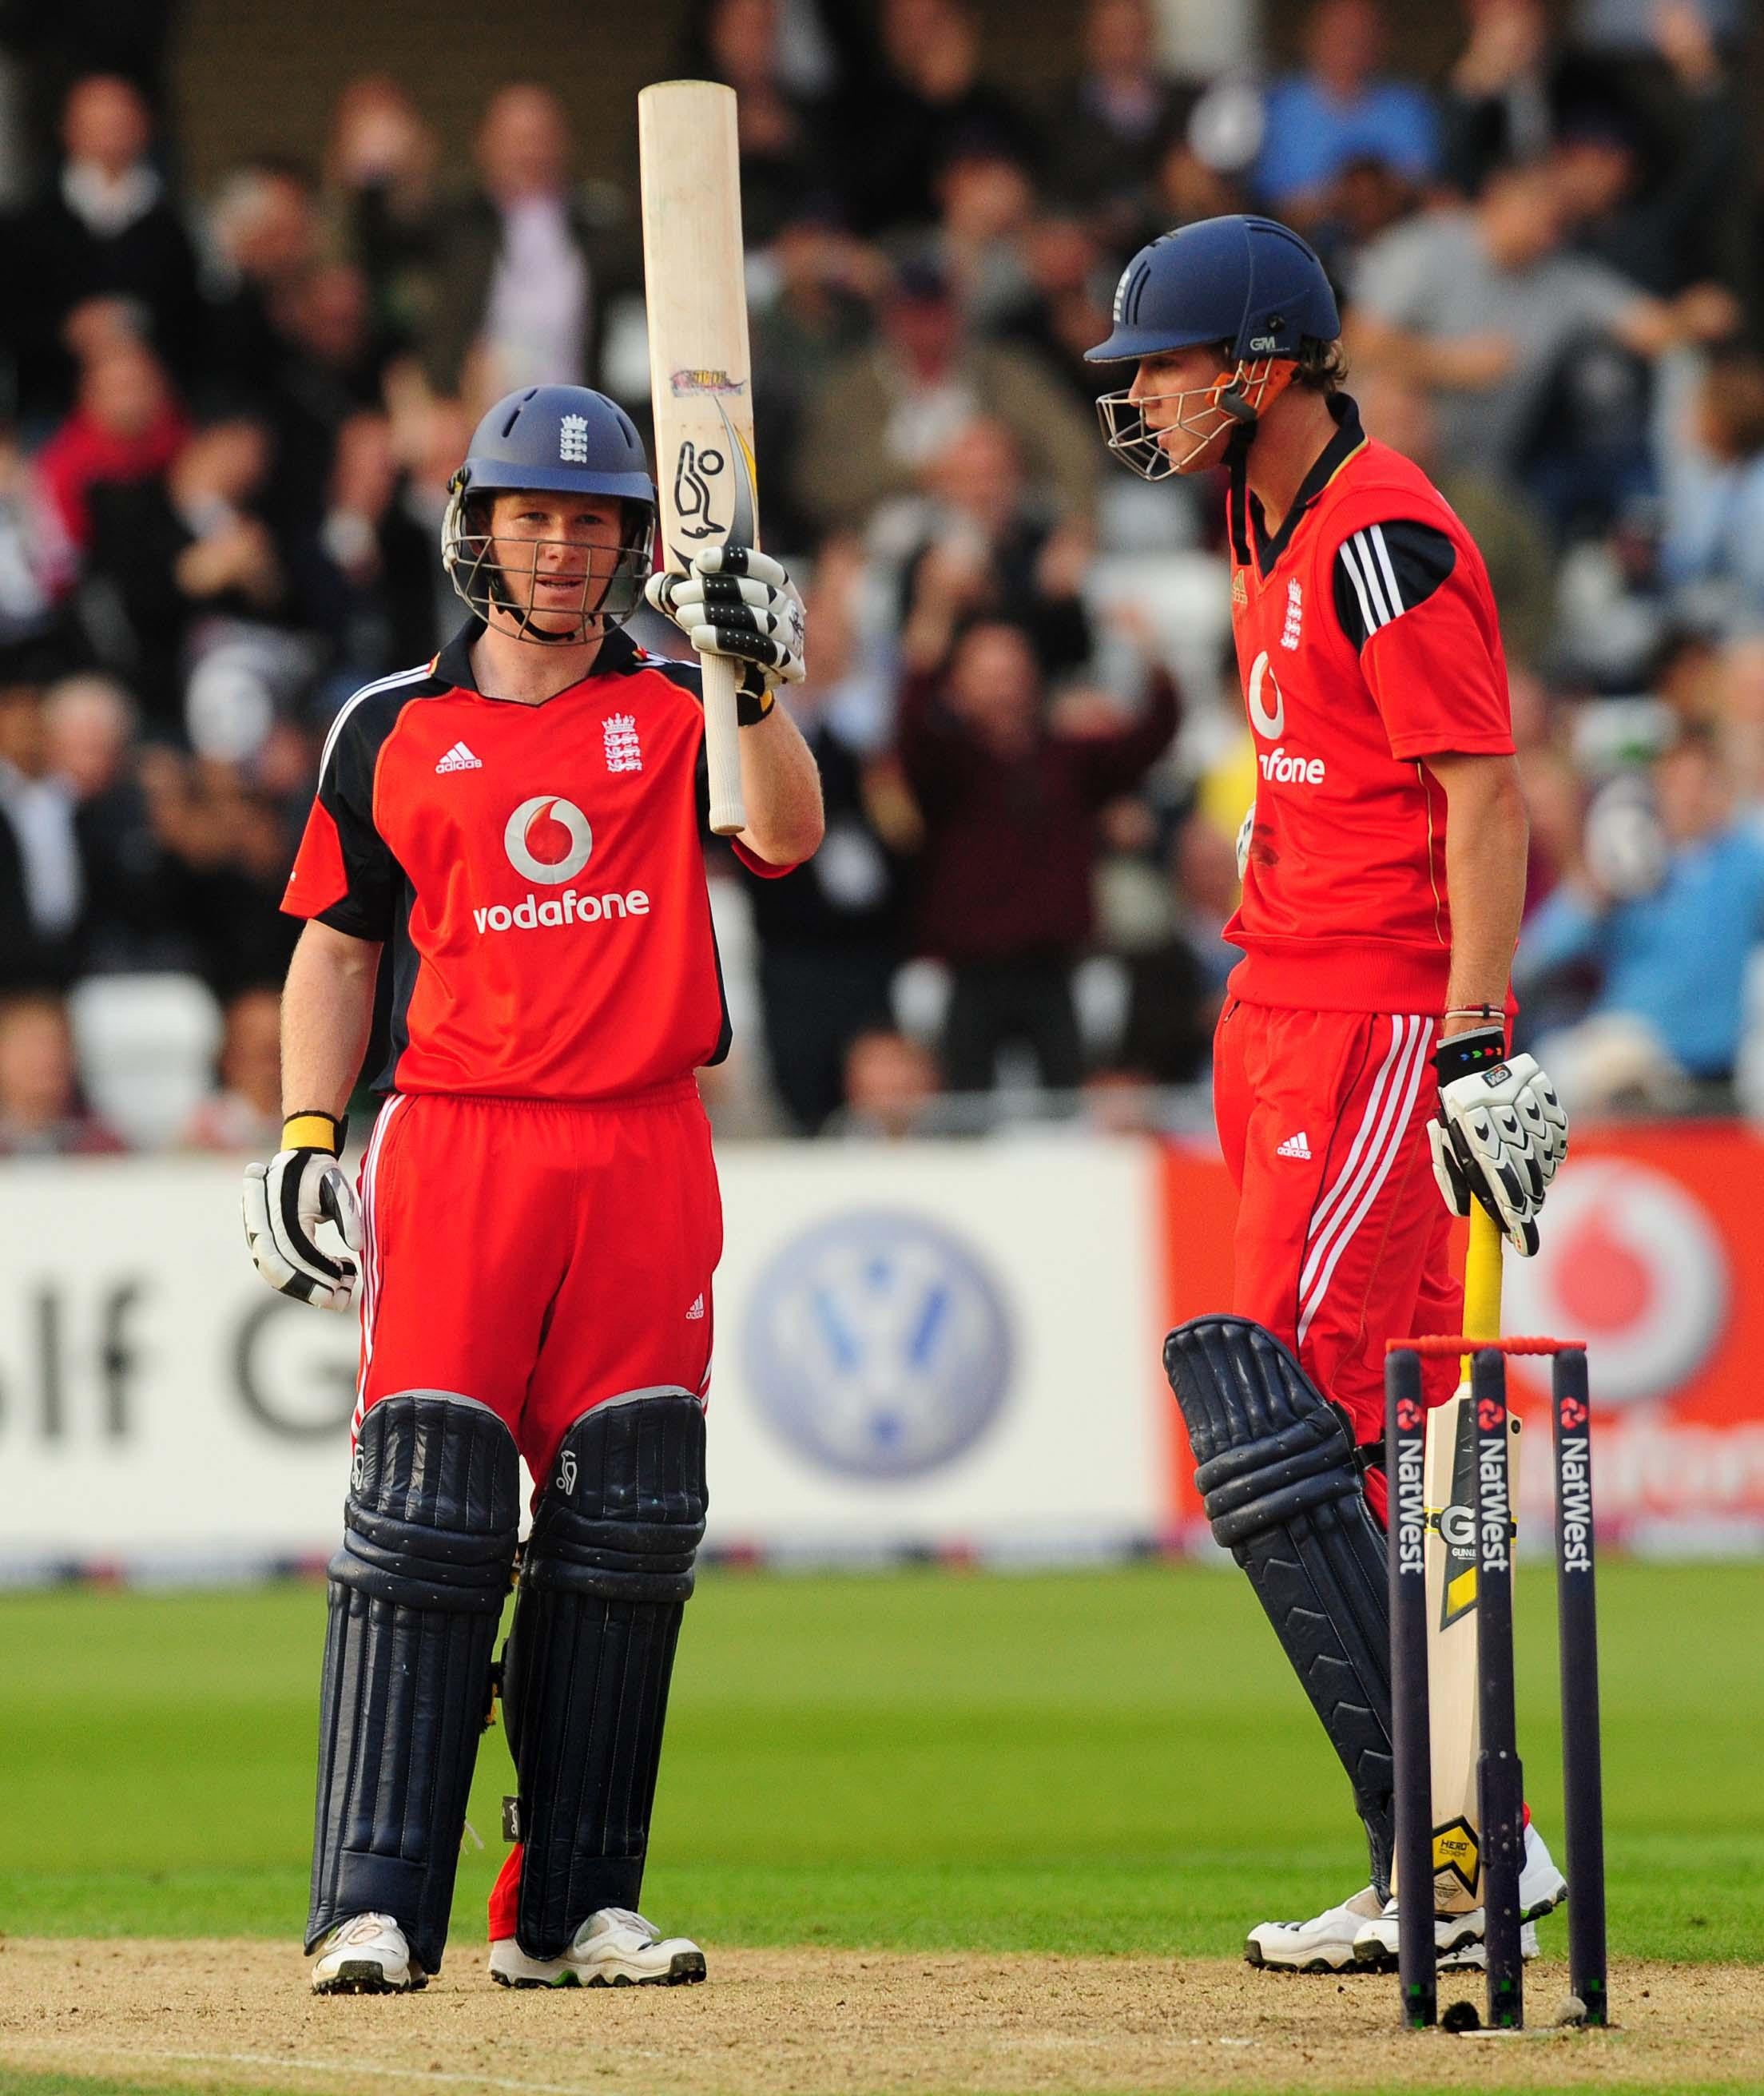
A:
{"points": [[783, 152], [927, 93], [516, 300], [380, 176], [883, 414], [1111, 124], [1673, 945], [996, 553], [1497, 108], [816, 308], [1651, 180], [1342, 109], [985, 206], [1064, 304], [126, 428], [1486, 309], [367, 582], [1712, 476], [331, 368], [42, 876], [168, 550], [130, 918], [891, 1087], [41, 1115], [108, 235], [267, 236], [1010, 807], [37, 563], [831, 939], [245, 1112]]}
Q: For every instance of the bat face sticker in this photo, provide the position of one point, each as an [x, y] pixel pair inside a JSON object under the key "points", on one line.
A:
{"points": [[697, 474], [694, 471]]}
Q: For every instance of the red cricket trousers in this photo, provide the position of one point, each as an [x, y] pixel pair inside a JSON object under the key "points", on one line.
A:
{"points": [[539, 1257], [1343, 1241]]}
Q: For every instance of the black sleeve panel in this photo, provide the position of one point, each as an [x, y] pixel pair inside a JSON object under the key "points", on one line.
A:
{"points": [[1385, 569], [372, 875]]}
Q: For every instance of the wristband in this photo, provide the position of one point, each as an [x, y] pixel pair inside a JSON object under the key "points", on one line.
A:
{"points": [[1491, 1012], [752, 705], [1465, 1053], [310, 1129]]}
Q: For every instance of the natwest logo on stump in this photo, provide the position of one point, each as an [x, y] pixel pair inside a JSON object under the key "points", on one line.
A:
{"points": [[531, 839]]}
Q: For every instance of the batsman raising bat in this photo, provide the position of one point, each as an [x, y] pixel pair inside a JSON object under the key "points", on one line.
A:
{"points": [[1361, 1066], [508, 837]]}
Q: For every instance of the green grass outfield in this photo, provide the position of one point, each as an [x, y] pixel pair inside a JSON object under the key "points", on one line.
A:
{"points": [[1113, 1761]]}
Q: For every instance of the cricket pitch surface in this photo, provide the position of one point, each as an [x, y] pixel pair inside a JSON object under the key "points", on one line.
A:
{"points": [[236, 2016]]}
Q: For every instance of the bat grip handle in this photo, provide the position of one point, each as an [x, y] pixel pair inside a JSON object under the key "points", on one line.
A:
{"points": [[722, 748]]}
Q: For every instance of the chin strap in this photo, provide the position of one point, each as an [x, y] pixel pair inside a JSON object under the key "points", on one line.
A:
{"points": [[1237, 466]]}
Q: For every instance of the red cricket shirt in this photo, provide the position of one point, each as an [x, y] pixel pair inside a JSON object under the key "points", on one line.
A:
{"points": [[535, 873], [1367, 639]]}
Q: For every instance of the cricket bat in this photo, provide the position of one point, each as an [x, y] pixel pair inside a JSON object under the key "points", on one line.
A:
{"points": [[700, 378], [1450, 1487]]}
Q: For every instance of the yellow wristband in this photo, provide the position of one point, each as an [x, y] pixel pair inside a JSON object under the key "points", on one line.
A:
{"points": [[311, 1131]]}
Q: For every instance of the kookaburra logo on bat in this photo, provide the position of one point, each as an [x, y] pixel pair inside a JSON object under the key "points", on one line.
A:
{"points": [[693, 472], [695, 469]]}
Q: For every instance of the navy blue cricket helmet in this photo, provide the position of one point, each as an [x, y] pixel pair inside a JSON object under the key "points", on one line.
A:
{"points": [[1248, 282], [553, 439]]}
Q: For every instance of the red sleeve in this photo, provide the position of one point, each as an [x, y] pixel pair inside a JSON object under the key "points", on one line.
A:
{"points": [[1417, 606], [762, 866]]}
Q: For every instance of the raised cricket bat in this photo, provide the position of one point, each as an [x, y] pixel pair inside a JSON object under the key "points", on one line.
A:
{"points": [[1450, 1486], [700, 379]]}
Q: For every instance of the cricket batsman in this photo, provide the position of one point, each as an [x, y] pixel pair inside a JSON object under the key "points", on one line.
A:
{"points": [[507, 842], [1360, 1065]]}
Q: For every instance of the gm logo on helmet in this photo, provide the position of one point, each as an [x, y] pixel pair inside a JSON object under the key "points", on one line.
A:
{"points": [[517, 839], [878, 1346]]}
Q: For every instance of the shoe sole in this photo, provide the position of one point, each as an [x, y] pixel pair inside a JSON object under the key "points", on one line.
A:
{"points": [[362, 1976], [686, 1968], [1253, 1954], [1387, 1961]]}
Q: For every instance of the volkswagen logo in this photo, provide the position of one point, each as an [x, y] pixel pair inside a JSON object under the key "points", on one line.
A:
{"points": [[565, 815], [878, 1346]]}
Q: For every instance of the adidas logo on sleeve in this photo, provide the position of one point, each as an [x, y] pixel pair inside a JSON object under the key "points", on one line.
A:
{"points": [[1294, 1145], [459, 758]]}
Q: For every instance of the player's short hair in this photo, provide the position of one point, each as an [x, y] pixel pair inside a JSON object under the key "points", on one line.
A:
{"points": [[1322, 366]]}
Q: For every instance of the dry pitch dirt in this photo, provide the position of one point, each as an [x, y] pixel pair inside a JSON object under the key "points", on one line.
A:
{"points": [[236, 2017]]}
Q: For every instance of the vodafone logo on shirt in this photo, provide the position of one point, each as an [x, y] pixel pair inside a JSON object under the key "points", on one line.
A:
{"points": [[1267, 717], [547, 812], [531, 839]]}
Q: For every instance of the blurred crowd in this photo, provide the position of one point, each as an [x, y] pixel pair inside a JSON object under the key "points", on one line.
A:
{"points": [[230, 417]]}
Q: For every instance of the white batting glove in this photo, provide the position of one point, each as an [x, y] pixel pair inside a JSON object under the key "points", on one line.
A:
{"points": [[1501, 1135], [1246, 838], [285, 1202], [734, 600]]}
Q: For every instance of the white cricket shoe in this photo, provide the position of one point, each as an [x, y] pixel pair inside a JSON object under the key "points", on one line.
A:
{"points": [[1541, 1886], [367, 1955], [1324, 1944], [1473, 1957], [613, 1948]]}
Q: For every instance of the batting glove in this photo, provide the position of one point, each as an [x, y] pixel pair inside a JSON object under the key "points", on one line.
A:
{"points": [[733, 600], [1501, 1135], [286, 1200]]}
